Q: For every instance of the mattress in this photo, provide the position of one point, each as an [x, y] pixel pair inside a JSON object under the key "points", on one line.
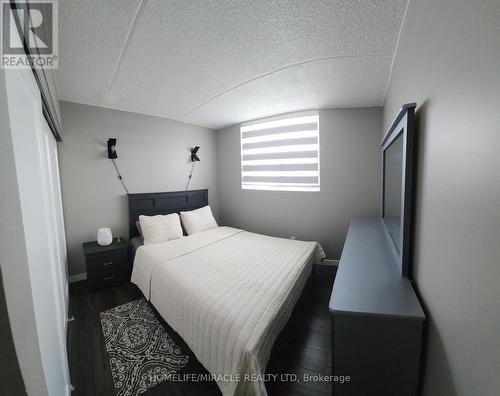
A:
{"points": [[228, 293]]}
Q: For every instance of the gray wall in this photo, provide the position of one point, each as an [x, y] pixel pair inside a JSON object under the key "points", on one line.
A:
{"points": [[11, 381], [153, 155], [350, 183], [449, 63]]}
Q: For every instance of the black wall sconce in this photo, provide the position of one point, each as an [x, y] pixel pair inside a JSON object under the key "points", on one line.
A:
{"points": [[194, 157], [112, 148], [112, 155]]}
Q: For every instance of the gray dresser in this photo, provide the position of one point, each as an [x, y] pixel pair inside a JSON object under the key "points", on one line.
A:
{"points": [[377, 320]]}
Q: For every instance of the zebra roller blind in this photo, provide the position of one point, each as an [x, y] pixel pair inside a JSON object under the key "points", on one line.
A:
{"points": [[281, 153]]}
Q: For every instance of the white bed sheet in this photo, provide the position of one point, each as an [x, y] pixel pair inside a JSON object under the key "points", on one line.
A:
{"points": [[228, 293]]}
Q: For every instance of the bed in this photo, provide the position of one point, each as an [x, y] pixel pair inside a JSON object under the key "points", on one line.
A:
{"points": [[226, 291]]}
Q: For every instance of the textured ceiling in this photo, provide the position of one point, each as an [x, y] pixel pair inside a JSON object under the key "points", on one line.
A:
{"points": [[216, 63]]}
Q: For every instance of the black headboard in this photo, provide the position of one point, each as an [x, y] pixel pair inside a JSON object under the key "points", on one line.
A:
{"points": [[151, 204]]}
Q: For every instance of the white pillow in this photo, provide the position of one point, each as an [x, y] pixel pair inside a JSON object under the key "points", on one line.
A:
{"points": [[160, 228], [198, 220]]}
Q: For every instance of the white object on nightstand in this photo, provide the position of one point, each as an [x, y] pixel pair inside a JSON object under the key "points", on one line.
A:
{"points": [[104, 236]]}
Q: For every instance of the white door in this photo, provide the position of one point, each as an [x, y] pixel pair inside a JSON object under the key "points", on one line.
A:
{"points": [[43, 360], [55, 220]]}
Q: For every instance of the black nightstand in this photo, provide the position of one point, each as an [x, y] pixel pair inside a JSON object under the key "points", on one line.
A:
{"points": [[106, 265]]}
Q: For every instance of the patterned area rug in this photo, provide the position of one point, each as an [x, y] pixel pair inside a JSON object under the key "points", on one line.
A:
{"points": [[141, 353]]}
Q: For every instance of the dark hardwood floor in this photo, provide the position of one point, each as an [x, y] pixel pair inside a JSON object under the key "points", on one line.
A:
{"points": [[302, 348]]}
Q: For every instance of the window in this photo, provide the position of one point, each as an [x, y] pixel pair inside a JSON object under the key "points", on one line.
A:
{"points": [[281, 154]]}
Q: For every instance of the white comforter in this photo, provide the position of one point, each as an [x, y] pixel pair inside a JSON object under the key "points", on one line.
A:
{"points": [[228, 293]]}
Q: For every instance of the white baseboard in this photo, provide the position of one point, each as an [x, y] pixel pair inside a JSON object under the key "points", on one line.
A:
{"points": [[77, 277], [330, 262]]}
